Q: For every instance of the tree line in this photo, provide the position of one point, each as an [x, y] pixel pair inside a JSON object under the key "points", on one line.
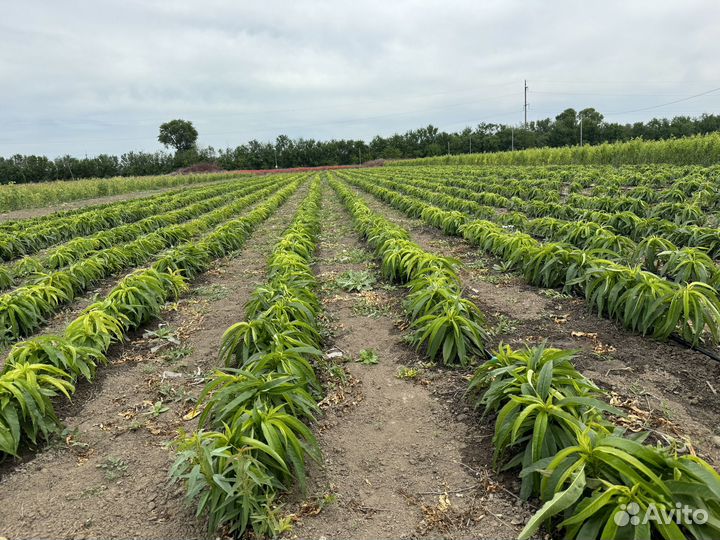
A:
{"points": [[564, 130]]}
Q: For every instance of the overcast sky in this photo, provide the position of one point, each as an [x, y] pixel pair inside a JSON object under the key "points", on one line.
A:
{"points": [[99, 76]]}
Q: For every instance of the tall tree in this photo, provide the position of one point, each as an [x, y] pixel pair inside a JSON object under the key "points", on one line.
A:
{"points": [[179, 134]]}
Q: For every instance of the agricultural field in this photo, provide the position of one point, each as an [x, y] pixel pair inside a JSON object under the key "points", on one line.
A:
{"points": [[413, 350]]}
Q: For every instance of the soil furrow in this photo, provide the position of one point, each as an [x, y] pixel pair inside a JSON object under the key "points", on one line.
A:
{"points": [[400, 461]]}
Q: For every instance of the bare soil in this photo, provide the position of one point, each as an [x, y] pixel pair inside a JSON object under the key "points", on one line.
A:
{"points": [[401, 459], [107, 475]]}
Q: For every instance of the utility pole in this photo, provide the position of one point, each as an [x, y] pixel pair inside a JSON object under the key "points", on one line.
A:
{"points": [[512, 139], [471, 144], [580, 130], [448, 147], [526, 105], [275, 150]]}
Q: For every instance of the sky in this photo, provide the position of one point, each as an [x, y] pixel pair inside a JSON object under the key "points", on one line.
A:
{"points": [[88, 77]]}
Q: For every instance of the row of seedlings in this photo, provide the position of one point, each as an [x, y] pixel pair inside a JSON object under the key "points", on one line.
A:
{"points": [[184, 207], [26, 308], [253, 439], [482, 200], [449, 326], [32, 237], [39, 369], [655, 251], [650, 244], [595, 479], [641, 300]]}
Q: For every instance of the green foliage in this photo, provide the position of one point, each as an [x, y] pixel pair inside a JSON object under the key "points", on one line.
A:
{"points": [[552, 423], [447, 325], [43, 367], [452, 329], [234, 475], [226, 397], [368, 357], [228, 483], [179, 134], [356, 281], [25, 407], [591, 259], [58, 351]]}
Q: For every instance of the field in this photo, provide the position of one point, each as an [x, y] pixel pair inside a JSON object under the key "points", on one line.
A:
{"points": [[415, 350]]}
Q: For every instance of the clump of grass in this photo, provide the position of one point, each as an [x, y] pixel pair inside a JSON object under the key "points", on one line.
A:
{"points": [[212, 293]]}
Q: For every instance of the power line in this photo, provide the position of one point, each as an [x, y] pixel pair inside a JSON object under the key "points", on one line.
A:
{"points": [[666, 104], [601, 94]]}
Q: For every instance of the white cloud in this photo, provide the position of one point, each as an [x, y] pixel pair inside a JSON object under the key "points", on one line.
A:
{"points": [[84, 76]]}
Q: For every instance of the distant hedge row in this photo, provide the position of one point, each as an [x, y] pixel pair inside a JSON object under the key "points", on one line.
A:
{"points": [[695, 150], [20, 196]]}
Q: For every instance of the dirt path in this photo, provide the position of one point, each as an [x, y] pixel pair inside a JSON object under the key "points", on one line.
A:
{"points": [[666, 382], [400, 461], [107, 476], [27, 213]]}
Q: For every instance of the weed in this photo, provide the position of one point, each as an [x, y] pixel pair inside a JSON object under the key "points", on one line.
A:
{"points": [[504, 325], [368, 357], [157, 409], [149, 369], [554, 295], [478, 264], [212, 293], [353, 256], [172, 394], [366, 307], [504, 266], [407, 373], [356, 281], [114, 468], [495, 279], [136, 425], [173, 355], [164, 336]]}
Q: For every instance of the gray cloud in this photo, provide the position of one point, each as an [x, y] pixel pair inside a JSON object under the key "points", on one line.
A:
{"points": [[89, 77]]}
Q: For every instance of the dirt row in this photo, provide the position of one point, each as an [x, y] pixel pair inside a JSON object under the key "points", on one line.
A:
{"points": [[401, 459]]}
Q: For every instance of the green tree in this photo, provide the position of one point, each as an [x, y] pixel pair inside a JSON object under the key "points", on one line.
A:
{"points": [[591, 123], [565, 129], [180, 134]]}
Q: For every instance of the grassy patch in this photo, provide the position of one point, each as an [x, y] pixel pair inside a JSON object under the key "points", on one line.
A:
{"points": [[212, 293]]}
